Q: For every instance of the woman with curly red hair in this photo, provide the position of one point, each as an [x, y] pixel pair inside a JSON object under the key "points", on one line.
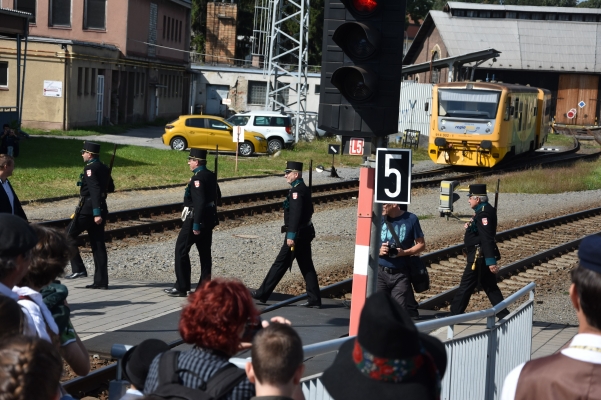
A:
{"points": [[213, 321]]}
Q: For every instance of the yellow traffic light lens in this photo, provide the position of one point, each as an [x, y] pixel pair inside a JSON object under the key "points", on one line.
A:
{"points": [[355, 87], [357, 43], [365, 6]]}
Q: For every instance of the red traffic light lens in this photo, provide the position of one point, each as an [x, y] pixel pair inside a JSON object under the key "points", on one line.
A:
{"points": [[365, 6]]}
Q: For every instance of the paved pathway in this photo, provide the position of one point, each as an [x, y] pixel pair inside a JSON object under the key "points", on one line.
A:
{"points": [[148, 136]]}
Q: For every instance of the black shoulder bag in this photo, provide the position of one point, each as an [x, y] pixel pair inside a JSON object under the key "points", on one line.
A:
{"points": [[419, 274]]}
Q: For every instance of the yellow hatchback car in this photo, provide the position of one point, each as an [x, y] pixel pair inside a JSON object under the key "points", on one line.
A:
{"points": [[207, 131]]}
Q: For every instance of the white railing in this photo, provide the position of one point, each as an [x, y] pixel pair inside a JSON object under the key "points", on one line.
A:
{"points": [[476, 364]]}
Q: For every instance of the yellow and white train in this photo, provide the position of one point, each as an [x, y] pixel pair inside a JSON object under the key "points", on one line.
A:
{"points": [[478, 124]]}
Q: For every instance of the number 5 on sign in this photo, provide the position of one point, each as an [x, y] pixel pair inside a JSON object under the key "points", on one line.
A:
{"points": [[393, 176]]}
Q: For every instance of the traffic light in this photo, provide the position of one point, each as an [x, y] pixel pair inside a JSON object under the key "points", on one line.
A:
{"points": [[362, 55]]}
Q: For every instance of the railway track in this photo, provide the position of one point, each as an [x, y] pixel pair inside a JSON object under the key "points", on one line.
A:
{"points": [[530, 252], [148, 220]]}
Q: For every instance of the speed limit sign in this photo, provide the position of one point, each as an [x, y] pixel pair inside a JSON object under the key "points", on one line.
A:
{"points": [[393, 176]]}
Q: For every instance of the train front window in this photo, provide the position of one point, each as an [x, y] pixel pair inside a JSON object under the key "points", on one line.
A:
{"points": [[464, 103]]}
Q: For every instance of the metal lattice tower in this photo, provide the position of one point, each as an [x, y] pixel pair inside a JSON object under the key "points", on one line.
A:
{"points": [[291, 94], [262, 29]]}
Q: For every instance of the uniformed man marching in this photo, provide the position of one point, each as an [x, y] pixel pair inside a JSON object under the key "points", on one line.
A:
{"points": [[200, 217], [482, 253], [91, 215], [298, 209]]}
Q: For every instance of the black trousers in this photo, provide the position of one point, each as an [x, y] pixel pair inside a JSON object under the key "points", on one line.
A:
{"points": [[96, 237], [469, 281], [398, 285], [302, 253], [185, 240]]}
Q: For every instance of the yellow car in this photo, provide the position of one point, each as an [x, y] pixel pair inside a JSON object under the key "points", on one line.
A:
{"points": [[207, 131]]}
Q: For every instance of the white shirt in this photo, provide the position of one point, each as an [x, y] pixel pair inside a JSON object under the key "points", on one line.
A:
{"points": [[37, 314], [590, 356], [9, 193]]}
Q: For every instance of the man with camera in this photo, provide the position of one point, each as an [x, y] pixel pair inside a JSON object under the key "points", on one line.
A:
{"points": [[299, 230], [401, 237]]}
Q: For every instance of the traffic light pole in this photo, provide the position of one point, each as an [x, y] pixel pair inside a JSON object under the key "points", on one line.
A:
{"points": [[374, 243]]}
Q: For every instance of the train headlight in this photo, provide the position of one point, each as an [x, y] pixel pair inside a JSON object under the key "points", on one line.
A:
{"points": [[487, 130], [489, 123], [443, 122], [442, 128]]}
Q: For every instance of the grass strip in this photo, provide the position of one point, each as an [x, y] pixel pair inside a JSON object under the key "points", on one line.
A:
{"points": [[50, 167]]}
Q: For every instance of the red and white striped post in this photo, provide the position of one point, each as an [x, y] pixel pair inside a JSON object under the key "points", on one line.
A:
{"points": [[362, 248]]}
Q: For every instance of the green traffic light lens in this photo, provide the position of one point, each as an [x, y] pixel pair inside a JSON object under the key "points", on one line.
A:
{"points": [[354, 86], [365, 6]]}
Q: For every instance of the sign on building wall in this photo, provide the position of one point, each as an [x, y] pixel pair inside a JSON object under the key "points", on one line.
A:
{"points": [[53, 88]]}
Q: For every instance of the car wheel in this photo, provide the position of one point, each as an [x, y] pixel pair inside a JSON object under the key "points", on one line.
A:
{"points": [[246, 149], [274, 145], [178, 143]]}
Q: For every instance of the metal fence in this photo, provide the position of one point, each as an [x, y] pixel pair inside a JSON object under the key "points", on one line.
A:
{"points": [[412, 107], [477, 364]]}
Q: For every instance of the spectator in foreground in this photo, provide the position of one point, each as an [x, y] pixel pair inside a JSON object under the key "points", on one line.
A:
{"points": [[17, 238], [30, 368], [213, 321], [136, 363], [277, 363], [48, 260], [389, 359], [574, 372]]}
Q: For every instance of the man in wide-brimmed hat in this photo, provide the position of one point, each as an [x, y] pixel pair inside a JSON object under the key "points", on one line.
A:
{"points": [[200, 217], [91, 217], [389, 359]]}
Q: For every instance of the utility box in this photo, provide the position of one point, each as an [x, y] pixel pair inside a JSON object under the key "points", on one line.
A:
{"points": [[447, 197]]}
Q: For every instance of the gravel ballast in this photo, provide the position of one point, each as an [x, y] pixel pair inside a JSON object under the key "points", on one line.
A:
{"points": [[247, 250]]}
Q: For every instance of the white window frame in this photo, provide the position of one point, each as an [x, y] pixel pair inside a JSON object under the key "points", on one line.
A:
{"points": [[85, 17], [52, 24]]}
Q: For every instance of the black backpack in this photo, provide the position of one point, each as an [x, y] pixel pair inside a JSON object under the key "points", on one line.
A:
{"points": [[170, 388]]}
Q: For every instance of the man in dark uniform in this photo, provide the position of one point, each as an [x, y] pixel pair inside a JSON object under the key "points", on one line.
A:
{"points": [[9, 202], [482, 253], [93, 183], [200, 217], [298, 209]]}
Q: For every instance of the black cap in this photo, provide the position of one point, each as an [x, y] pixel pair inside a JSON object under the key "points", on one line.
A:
{"points": [[478, 189], [589, 253], [294, 166], [91, 147], [16, 236], [137, 360], [197, 154]]}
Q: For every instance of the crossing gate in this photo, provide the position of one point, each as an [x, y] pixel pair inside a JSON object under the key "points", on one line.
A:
{"points": [[413, 115]]}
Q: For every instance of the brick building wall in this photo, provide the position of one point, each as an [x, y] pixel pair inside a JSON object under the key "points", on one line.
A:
{"points": [[432, 42], [220, 46]]}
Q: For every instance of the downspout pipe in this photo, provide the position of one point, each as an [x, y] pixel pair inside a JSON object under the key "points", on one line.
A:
{"points": [[65, 87]]}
